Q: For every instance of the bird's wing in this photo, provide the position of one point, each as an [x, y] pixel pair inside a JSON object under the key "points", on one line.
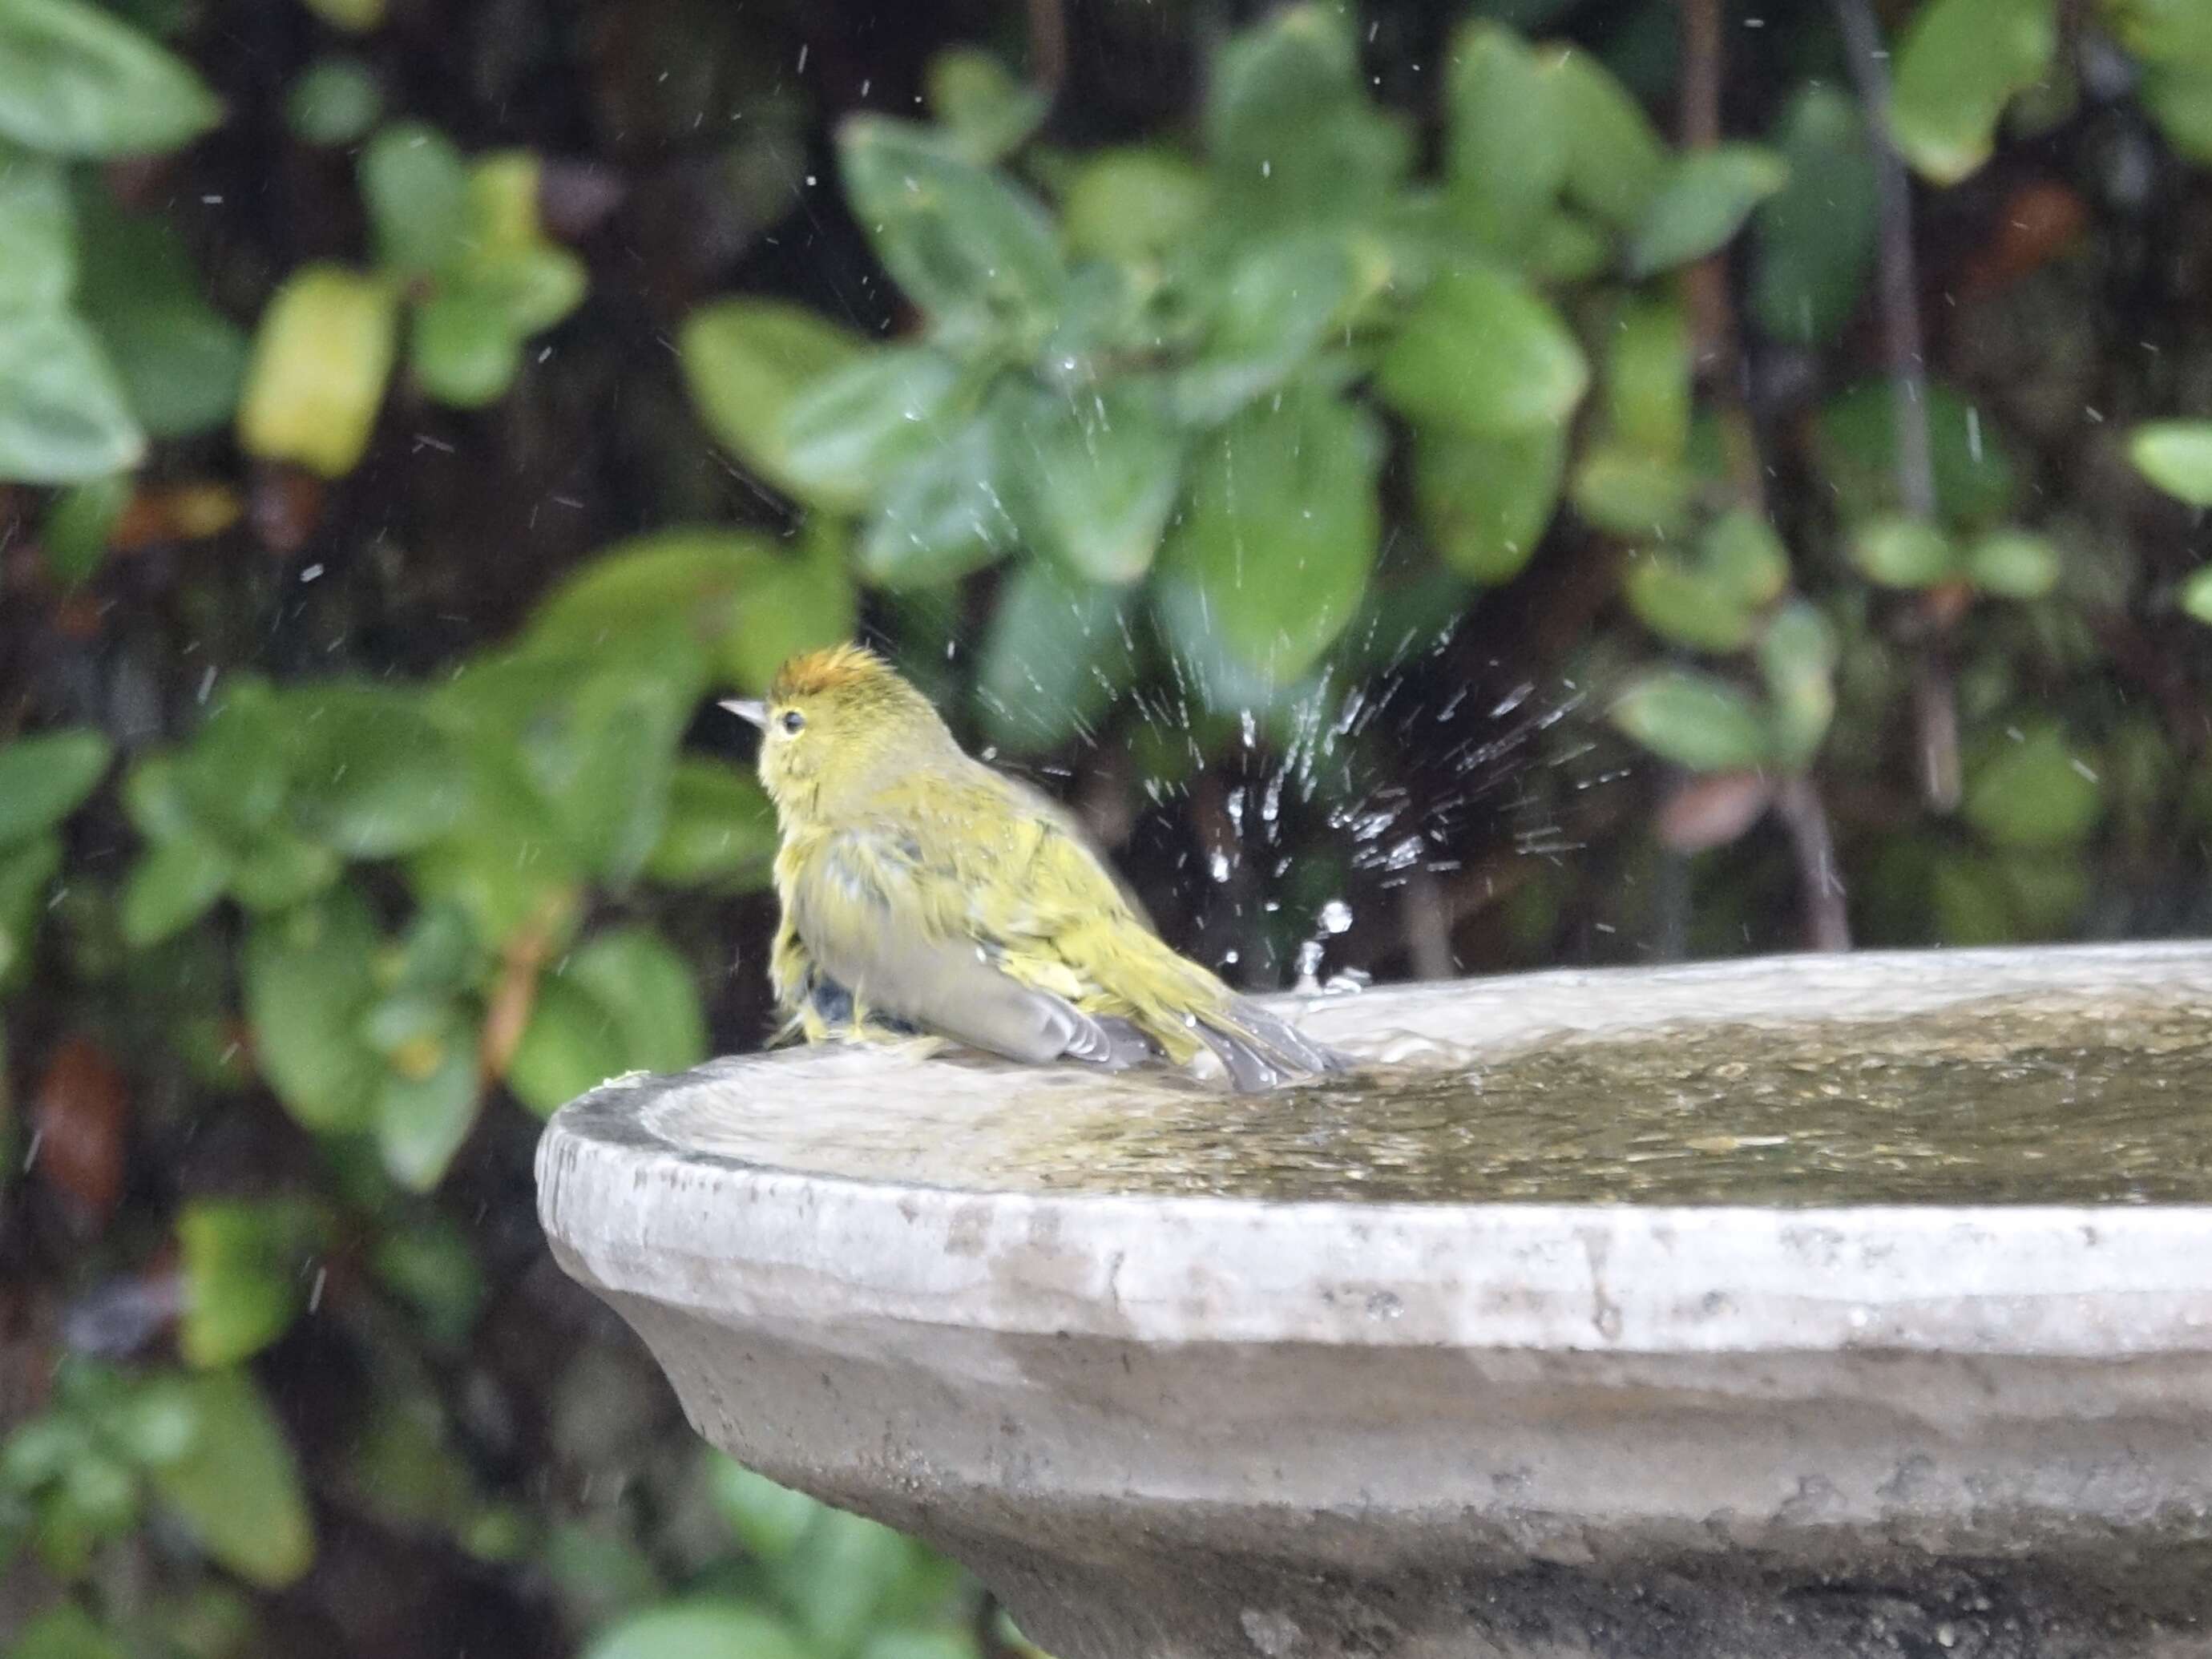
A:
{"points": [[893, 915]]}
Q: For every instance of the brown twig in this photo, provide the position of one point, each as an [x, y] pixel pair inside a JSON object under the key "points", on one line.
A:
{"points": [[1048, 45], [1935, 695], [1798, 800]]}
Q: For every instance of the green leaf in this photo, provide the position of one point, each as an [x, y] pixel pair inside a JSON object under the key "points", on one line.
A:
{"points": [[2033, 793], [2177, 457], [2196, 594], [43, 779], [572, 1045], [713, 586], [807, 603], [1616, 161], [321, 358], [427, 1263], [1057, 655], [27, 874], [604, 760], [278, 869], [1509, 142], [1960, 65], [839, 1577], [1742, 555], [307, 983], [1292, 137], [745, 361], [1482, 353], [237, 1487], [172, 886], [943, 513], [242, 1276], [1976, 479], [768, 1520], [38, 230], [987, 111], [1695, 720], [1797, 655], [2013, 565], [1486, 502], [720, 828], [700, 1630], [1631, 493], [376, 776], [421, 1120], [1815, 236], [2180, 101], [1091, 476], [968, 246], [531, 288], [79, 522], [81, 83], [1685, 605], [843, 436], [464, 349], [1265, 322], [1280, 533], [62, 417], [1648, 370], [416, 186], [1706, 196], [1901, 552], [181, 362], [2176, 32], [1132, 205], [335, 101], [66, 1632], [650, 993]]}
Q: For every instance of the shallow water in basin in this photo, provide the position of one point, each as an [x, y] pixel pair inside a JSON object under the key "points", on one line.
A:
{"points": [[1991, 1103]]}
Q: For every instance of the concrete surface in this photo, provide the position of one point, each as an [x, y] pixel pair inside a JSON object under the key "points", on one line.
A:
{"points": [[1193, 1428]]}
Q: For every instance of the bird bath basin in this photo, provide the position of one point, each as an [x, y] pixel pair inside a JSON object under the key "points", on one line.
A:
{"points": [[1819, 1306]]}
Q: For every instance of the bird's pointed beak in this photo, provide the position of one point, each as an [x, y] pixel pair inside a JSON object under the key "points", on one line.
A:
{"points": [[749, 708]]}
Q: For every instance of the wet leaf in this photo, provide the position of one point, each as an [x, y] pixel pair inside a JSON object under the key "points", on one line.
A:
{"points": [[46, 777], [1695, 720], [27, 875], [320, 361], [1280, 530], [427, 1260], [174, 883], [1633, 494], [1741, 552], [335, 101], [1976, 479], [2177, 457], [571, 1045], [1058, 654], [650, 992], [1091, 476], [711, 584], [308, 984], [1648, 369], [1615, 160], [79, 1114], [970, 248], [77, 528], [66, 1632], [988, 112], [421, 1120], [244, 1278], [744, 362], [375, 777], [83, 82], [1131, 204], [842, 1572], [1797, 655], [1900, 552], [463, 349], [2034, 792], [768, 1520], [1702, 203], [237, 1487], [843, 436], [1816, 235], [38, 230], [416, 187], [2180, 101], [2178, 32], [2197, 595], [603, 757], [807, 602], [1273, 309], [63, 416], [1483, 354], [531, 288], [700, 1630], [720, 828], [181, 362], [1486, 502], [2013, 564], [1960, 64], [1686, 605], [1508, 142], [943, 513]]}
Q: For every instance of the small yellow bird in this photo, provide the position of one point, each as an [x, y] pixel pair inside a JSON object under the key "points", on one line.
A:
{"points": [[924, 892]]}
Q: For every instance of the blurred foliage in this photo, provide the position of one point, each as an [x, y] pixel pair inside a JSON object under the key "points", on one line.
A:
{"points": [[1427, 518]]}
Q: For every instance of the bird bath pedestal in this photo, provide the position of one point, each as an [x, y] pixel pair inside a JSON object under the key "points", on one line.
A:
{"points": [[1166, 1423]]}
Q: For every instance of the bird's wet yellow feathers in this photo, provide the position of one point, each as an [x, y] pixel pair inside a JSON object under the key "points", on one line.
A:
{"points": [[923, 892]]}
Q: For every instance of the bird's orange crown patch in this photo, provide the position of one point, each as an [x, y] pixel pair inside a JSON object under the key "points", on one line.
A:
{"points": [[834, 667]]}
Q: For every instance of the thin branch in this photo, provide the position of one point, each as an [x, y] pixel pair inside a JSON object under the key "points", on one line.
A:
{"points": [[1048, 45], [1935, 696], [1827, 923]]}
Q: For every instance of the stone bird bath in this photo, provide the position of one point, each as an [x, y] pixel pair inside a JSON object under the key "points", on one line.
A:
{"points": [[1174, 1409]]}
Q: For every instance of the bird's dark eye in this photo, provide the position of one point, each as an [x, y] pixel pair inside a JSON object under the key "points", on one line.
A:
{"points": [[793, 719]]}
